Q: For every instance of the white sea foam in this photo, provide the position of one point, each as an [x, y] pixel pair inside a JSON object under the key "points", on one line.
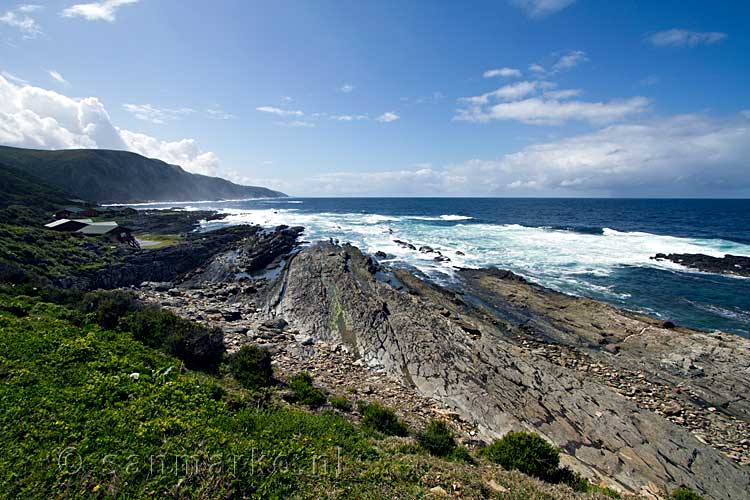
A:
{"points": [[560, 259]]}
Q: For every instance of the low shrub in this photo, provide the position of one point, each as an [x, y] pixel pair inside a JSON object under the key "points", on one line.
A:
{"points": [[305, 392], [685, 494], [340, 403], [525, 452], [251, 367], [382, 419], [109, 306], [437, 439], [200, 347]]}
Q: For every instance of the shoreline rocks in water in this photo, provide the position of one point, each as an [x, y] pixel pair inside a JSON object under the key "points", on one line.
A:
{"points": [[729, 264]]}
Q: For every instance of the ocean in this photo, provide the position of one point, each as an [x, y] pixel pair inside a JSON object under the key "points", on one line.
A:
{"points": [[597, 248]]}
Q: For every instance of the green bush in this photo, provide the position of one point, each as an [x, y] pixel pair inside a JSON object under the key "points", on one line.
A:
{"points": [[251, 367], [304, 391], [437, 439], [685, 494], [340, 403], [382, 419], [525, 452], [109, 306], [200, 347]]}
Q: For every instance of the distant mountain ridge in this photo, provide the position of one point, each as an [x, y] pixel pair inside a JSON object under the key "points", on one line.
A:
{"points": [[106, 176]]}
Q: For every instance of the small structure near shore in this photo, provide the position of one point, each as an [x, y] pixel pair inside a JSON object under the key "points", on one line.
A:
{"points": [[68, 224]]}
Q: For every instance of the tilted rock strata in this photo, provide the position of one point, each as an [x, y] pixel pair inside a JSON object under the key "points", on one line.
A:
{"points": [[466, 357]]}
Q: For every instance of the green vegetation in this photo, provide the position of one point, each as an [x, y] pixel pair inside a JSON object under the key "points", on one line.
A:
{"points": [[525, 452], [532, 455], [119, 176], [305, 392], [340, 403], [152, 241], [685, 494], [437, 439], [382, 420], [251, 367]]}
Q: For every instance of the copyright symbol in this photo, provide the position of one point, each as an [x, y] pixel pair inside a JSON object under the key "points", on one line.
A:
{"points": [[69, 460]]}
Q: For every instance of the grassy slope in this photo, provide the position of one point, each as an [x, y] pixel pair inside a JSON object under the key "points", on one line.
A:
{"points": [[120, 176], [66, 385]]}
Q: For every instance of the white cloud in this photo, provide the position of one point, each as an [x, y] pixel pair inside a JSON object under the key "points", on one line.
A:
{"points": [[536, 68], [29, 8], [297, 124], [570, 60], [13, 78], [32, 117], [508, 92], [685, 38], [56, 76], [387, 117], [97, 11], [216, 113], [346, 88], [22, 21], [349, 118], [184, 153], [278, 111], [684, 155], [155, 114], [541, 8], [563, 94], [504, 72], [549, 111], [537, 102]]}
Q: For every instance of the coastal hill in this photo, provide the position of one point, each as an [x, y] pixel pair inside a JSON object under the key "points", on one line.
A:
{"points": [[104, 176]]}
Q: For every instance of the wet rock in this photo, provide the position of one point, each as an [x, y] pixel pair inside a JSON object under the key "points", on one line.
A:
{"points": [[381, 255], [729, 264], [404, 244], [426, 249]]}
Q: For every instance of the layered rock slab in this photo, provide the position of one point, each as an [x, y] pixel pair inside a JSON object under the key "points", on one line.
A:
{"points": [[469, 358]]}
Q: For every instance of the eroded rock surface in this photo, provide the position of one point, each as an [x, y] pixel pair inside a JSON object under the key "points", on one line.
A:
{"points": [[482, 353]]}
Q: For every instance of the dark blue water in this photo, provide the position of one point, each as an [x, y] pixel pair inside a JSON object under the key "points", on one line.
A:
{"points": [[598, 248]]}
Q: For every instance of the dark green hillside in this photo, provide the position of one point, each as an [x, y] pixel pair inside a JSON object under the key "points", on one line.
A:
{"points": [[23, 189], [122, 177]]}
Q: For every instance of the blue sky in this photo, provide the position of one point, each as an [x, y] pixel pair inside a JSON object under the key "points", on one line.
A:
{"points": [[504, 98]]}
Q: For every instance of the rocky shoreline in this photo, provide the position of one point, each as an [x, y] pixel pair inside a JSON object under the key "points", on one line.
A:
{"points": [[635, 403]]}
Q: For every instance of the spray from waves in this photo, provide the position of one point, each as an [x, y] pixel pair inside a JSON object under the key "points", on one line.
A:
{"points": [[558, 258]]}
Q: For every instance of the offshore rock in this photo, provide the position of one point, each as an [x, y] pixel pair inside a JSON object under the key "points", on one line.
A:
{"points": [[729, 264]]}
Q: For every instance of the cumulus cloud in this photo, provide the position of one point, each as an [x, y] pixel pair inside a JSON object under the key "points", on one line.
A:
{"points": [[387, 117], [20, 19], [685, 38], [216, 113], [536, 68], [97, 11], [155, 114], [56, 76], [32, 117], [504, 72], [184, 153], [346, 88], [684, 155], [348, 118], [278, 111], [541, 8]]}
